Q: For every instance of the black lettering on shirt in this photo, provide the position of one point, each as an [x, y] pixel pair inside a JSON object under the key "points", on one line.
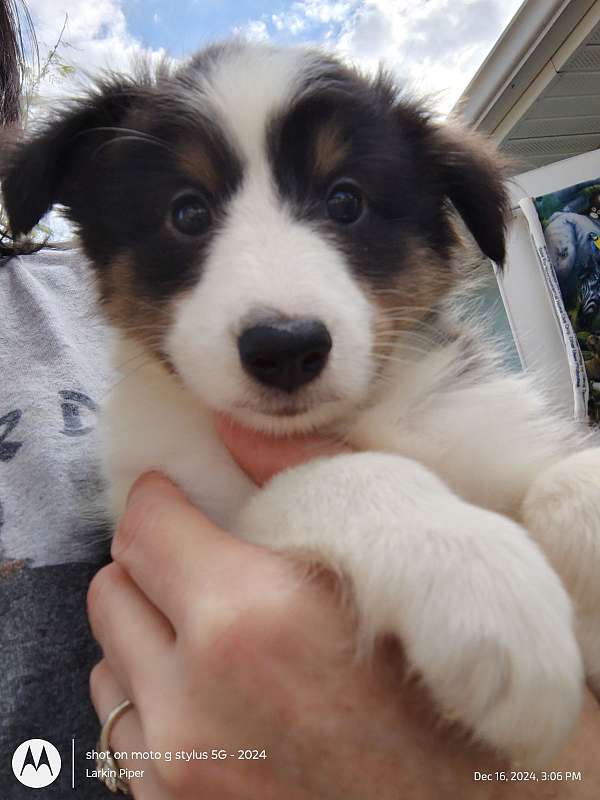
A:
{"points": [[71, 407], [8, 450]]}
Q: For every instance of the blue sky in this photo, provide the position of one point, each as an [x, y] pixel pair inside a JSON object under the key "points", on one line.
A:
{"points": [[191, 22], [181, 29], [435, 46]]}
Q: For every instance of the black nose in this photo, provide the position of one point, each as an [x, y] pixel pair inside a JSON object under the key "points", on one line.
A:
{"points": [[285, 354]]}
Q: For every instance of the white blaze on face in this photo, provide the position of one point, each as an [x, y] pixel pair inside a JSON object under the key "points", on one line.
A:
{"points": [[247, 87], [263, 264]]}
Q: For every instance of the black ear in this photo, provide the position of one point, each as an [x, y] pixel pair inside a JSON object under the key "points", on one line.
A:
{"points": [[472, 176], [35, 172]]}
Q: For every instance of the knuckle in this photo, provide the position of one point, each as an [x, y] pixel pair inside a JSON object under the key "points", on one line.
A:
{"points": [[249, 604], [245, 626], [271, 613], [99, 594], [139, 519], [96, 595], [98, 676]]}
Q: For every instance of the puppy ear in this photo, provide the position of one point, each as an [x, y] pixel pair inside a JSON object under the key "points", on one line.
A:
{"points": [[472, 176], [35, 171]]}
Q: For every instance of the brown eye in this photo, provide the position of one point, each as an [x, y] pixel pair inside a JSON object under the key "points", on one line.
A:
{"points": [[190, 214], [345, 203]]}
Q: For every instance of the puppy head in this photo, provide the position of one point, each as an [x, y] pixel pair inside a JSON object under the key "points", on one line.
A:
{"points": [[262, 221]]}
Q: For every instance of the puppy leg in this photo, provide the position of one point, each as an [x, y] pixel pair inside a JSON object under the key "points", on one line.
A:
{"points": [[562, 512], [481, 614]]}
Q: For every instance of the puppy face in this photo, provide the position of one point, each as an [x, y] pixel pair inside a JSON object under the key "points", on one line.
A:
{"points": [[263, 221]]}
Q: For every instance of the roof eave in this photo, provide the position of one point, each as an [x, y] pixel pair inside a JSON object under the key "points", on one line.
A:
{"points": [[526, 46]]}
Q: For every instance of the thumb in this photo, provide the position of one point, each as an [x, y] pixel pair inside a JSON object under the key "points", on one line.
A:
{"points": [[262, 456]]}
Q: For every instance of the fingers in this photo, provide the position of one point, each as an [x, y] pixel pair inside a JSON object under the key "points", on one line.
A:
{"points": [[262, 456], [130, 630], [126, 735], [174, 554], [106, 694]]}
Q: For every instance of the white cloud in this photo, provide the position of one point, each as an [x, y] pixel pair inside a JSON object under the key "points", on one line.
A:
{"points": [[289, 22], [255, 31], [95, 38], [324, 11], [434, 46], [305, 14]]}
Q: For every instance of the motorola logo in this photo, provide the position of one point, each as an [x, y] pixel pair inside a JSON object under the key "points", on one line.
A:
{"points": [[36, 763]]}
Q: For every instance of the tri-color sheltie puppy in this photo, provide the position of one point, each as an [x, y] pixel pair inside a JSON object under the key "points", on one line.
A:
{"points": [[274, 232]]}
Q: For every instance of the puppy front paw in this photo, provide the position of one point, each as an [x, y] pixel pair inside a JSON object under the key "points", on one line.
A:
{"points": [[562, 512], [481, 614], [495, 643]]}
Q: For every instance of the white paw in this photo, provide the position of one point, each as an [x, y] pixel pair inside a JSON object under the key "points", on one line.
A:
{"points": [[494, 638], [481, 614], [562, 512]]}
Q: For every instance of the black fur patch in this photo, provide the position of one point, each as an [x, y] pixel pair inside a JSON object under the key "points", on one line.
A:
{"points": [[410, 171], [115, 161]]}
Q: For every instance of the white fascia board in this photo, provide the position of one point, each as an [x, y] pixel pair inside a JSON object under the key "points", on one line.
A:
{"points": [[536, 32], [557, 60]]}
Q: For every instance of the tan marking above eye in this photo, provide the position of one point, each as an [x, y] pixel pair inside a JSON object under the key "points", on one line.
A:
{"points": [[196, 163], [330, 149]]}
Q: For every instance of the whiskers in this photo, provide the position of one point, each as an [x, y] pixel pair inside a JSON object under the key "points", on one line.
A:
{"points": [[154, 308], [148, 361], [146, 357], [147, 331], [407, 328]]}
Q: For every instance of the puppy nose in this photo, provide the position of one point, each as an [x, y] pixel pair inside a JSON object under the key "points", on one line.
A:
{"points": [[285, 354]]}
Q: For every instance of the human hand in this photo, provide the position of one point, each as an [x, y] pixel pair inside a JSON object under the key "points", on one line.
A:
{"points": [[220, 645]]}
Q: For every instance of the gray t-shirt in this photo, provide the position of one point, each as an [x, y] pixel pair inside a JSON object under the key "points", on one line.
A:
{"points": [[53, 534]]}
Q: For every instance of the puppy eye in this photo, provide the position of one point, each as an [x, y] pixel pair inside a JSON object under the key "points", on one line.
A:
{"points": [[190, 214], [345, 203]]}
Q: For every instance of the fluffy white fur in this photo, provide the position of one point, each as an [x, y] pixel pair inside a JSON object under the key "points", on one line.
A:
{"points": [[427, 523], [481, 613]]}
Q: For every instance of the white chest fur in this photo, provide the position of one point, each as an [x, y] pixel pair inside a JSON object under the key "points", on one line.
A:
{"points": [[150, 422]]}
